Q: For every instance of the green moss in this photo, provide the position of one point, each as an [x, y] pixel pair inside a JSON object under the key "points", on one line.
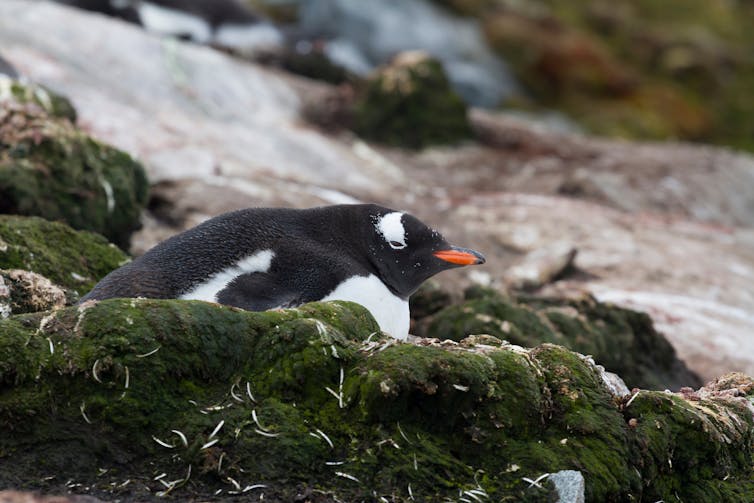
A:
{"points": [[623, 341], [48, 168], [315, 400], [410, 103], [489, 315], [700, 441], [428, 299], [72, 259]]}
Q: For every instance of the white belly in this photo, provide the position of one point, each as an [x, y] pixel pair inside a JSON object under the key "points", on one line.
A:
{"points": [[390, 311]]}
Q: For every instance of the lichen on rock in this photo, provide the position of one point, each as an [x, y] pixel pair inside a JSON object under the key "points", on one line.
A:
{"points": [[49, 168], [28, 292], [74, 260]]}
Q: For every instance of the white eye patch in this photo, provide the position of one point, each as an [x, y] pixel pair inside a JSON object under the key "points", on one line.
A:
{"points": [[392, 230]]}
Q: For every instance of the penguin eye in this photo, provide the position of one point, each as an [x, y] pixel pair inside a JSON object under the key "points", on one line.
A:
{"points": [[397, 245]]}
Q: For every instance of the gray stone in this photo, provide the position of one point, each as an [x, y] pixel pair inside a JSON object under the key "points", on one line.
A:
{"points": [[570, 486]]}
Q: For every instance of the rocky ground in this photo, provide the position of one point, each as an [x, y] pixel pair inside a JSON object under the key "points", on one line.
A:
{"points": [[565, 222]]}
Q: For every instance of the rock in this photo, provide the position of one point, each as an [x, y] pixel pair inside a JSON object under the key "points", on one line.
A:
{"points": [[623, 341], [410, 103], [27, 292], [7, 69], [12, 89], [570, 486], [362, 37], [282, 402], [428, 299], [540, 267], [75, 260], [203, 120], [51, 169], [660, 421], [25, 497]]}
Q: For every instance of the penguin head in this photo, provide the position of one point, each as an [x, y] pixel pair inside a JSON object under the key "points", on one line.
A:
{"points": [[406, 252]]}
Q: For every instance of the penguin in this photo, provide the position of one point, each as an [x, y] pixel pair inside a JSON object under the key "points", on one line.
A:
{"points": [[223, 23], [116, 8], [229, 24], [271, 258]]}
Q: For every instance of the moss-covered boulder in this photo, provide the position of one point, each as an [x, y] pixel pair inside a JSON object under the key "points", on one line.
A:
{"points": [[622, 340], [12, 89], [705, 436], [428, 299], [133, 398], [49, 168], [75, 260], [410, 103]]}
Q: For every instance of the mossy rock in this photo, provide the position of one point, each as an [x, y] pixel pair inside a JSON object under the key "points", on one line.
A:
{"points": [[49, 168], [704, 436], [72, 259], [622, 340], [58, 106], [137, 398], [428, 299], [410, 103]]}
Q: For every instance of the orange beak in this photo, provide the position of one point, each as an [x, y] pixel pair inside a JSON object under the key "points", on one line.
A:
{"points": [[460, 256]]}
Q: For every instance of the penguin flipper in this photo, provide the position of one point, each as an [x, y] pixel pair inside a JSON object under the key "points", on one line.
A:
{"points": [[258, 291]]}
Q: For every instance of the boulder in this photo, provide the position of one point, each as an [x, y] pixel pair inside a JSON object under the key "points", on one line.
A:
{"points": [[622, 340], [74, 260], [410, 103], [428, 299], [51, 169], [13, 89], [134, 398]]}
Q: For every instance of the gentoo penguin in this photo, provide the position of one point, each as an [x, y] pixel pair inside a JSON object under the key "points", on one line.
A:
{"points": [[231, 24], [225, 23], [267, 258]]}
